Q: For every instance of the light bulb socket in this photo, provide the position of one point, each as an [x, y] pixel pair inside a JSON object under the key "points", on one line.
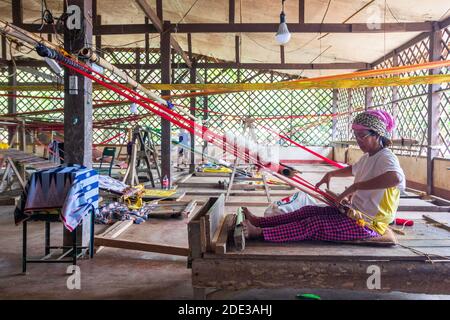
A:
{"points": [[282, 17]]}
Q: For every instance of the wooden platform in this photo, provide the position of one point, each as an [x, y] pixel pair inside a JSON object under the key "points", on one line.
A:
{"points": [[419, 264], [26, 159]]}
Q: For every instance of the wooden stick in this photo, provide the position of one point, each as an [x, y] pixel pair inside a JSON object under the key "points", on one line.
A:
{"points": [[142, 246], [439, 224], [114, 231], [190, 207], [220, 244], [238, 236]]}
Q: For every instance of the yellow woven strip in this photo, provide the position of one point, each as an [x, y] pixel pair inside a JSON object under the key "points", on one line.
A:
{"points": [[293, 85]]}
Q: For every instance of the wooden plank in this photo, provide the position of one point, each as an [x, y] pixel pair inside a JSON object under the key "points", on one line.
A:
{"points": [[141, 246], [431, 208], [439, 221], [417, 243], [190, 207], [316, 250], [238, 235], [194, 240], [215, 215], [220, 244], [210, 174], [17, 173], [184, 179], [203, 234], [114, 231], [423, 231], [249, 187], [239, 274]]}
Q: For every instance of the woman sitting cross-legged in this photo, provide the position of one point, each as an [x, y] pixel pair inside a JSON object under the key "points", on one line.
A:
{"points": [[375, 193]]}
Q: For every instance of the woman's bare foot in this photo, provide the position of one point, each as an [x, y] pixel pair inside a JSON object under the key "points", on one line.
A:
{"points": [[250, 216], [250, 231]]}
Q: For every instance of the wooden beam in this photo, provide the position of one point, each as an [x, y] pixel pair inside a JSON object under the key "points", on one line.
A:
{"points": [[157, 22], [122, 29], [78, 123], [141, 246], [368, 98], [303, 28], [222, 65], [78, 107], [220, 244], [12, 82], [17, 12], [192, 104], [137, 58], [334, 110], [159, 10], [189, 42], [17, 18], [238, 234], [4, 50], [114, 231], [237, 48], [98, 38], [301, 11], [256, 66], [282, 60], [152, 15], [444, 23], [441, 222], [404, 46], [231, 10], [348, 272], [166, 158], [147, 43], [395, 96]]}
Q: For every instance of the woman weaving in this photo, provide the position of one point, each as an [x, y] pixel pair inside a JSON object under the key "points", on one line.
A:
{"points": [[375, 194]]}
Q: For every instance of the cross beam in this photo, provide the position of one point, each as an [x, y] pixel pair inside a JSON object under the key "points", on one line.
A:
{"points": [[158, 24], [116, 29]]}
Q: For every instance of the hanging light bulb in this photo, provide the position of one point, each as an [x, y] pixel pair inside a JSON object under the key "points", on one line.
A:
{"points": [[283, 35]]}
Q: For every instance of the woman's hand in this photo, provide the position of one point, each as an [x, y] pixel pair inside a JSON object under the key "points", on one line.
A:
{"points": [[349, 191], [326, 179]]}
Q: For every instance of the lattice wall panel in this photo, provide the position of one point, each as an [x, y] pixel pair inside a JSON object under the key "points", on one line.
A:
{"points": [[3, 104], [444, 107], [344, 119]]}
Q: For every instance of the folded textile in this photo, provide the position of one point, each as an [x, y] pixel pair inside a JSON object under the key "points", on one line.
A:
{"points": [[118, 211], [113, 185]]}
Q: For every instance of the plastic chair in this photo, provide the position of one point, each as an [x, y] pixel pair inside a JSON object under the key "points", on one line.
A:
{"points": [[107, 152]]}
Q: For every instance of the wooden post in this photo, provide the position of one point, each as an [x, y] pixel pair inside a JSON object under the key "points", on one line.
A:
{"points": [[205, 117], [166, 146], [231, 11], [395, 95], [17, 12], [368, 98], [12, 81], [334, 110], [193, 78], [78, 104], [301, 11], [78, 108], [350, 110], [98, 38], [434, 98]]}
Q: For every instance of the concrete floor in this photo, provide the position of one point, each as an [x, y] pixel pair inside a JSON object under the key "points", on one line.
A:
{"points": [[125, 274]]}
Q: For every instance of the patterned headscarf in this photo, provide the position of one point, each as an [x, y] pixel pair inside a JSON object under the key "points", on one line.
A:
{"points": [[377, 120]]}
